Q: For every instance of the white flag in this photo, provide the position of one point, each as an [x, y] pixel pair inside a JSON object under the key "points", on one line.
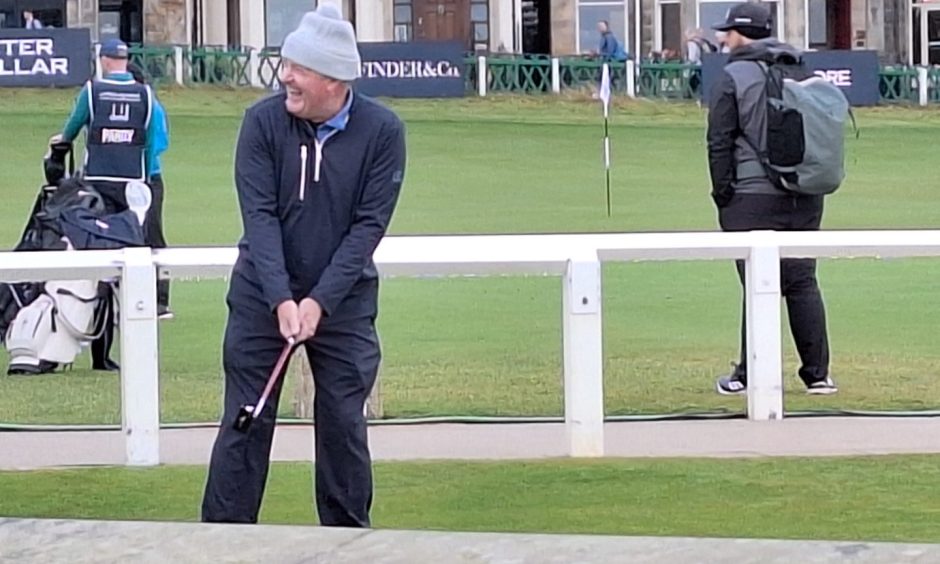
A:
{"points": [[605, 88]]}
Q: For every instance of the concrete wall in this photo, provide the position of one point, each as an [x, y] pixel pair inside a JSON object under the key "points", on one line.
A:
{"points": [[564, 25], [502, 22], [252, 23], [374, 20], [83, 13], [794, 28], [215, 22], [167, 21]]}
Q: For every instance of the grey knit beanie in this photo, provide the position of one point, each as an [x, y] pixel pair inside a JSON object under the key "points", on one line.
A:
{"points": [[326, 43]]}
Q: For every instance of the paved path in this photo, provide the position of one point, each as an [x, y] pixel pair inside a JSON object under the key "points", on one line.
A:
{"points": [[829, 436], [27, 541]]}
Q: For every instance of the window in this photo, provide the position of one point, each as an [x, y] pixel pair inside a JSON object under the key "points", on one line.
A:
{"points": [[49, 13], [816, 14], [592, 11], [480, 23], [710, 13], [670, 27], [403, 20], [282, 17]]}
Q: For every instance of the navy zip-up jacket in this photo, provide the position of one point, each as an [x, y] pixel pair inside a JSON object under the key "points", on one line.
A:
{"points": [[314, 212]]}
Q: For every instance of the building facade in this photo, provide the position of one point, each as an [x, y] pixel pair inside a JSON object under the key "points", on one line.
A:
{"points": [[901, 30]]}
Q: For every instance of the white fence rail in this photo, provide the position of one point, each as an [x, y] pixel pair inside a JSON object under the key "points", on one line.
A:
{"points": [[576, 258]]}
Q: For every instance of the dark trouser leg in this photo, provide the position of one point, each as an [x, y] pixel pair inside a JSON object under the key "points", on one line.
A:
{"points": [[101, 347], [153, 232], [239, 466], [798, 284], [807, 316], [344, 359]]}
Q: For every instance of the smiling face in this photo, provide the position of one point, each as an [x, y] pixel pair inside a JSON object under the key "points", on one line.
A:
{"points": [[311, 95]]}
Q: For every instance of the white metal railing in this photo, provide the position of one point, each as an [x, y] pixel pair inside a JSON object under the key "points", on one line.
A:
{"points": [[576, 258]]}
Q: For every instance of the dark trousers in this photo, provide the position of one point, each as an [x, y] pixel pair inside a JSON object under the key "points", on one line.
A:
{"points": [[112, 194], [153, 233], [344, 355], [798, 285]]}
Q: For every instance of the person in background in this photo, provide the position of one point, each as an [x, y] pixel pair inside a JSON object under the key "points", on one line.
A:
{"points": [[30, 22], [116, 113], [696, 45], [748, 199], [610, 48], [153, 225]]}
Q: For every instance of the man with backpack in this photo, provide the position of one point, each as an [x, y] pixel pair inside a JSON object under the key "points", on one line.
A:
{"points": [[770, 170]]}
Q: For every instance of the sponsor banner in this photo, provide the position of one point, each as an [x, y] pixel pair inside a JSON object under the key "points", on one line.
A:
{"points": [[44, 57], [855, 72], [422, 69]]}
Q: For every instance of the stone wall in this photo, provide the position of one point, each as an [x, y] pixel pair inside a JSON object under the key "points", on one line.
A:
{"points": [[563, 27], [165, 22], [83, 13]]}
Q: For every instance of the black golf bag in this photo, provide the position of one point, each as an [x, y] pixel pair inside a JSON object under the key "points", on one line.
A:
{"points": [[45, 324]]}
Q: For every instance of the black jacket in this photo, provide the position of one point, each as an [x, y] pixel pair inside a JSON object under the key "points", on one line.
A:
{"points": [[313, 235], [737, 118]]}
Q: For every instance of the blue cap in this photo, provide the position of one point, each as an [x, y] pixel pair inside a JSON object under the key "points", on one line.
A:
{"points": [[114, 49]]}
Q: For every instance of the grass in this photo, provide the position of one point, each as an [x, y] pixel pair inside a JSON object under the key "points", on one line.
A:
{"points": [[871, 499], [492, 346]]}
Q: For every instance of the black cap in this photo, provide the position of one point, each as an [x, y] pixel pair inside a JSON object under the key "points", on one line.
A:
{"points": [[748, 15]]}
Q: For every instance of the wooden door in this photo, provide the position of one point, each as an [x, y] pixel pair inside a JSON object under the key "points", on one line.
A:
{"points": [[442, 20]]}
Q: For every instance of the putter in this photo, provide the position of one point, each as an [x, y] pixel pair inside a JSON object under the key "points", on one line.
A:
{"points": [[248, 413]]}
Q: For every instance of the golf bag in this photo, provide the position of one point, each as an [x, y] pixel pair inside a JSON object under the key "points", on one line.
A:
{"points": [[46, 324]]}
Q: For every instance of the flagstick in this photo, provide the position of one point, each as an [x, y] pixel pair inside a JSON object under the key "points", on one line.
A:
{"points": [[607, 159], [605, 80]]}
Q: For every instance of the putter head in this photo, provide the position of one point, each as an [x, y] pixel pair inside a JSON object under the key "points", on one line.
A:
{"points": [[243, 420]]}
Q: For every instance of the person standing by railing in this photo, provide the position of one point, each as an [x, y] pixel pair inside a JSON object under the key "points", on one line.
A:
{"points": [[318, 170], [747, 198], [117, 114], [153, 226]]}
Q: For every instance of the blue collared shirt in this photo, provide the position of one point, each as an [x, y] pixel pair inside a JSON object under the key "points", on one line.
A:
{"points": [[336, 123]]}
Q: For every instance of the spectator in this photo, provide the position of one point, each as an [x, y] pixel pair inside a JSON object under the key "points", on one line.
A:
{"points": [[30, 22], [153, 226], [747, 198], [119, 145], [696, 45], [610, 49]]}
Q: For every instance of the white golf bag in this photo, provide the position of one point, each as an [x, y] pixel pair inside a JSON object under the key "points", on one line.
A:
{"points": [[53, 328]]}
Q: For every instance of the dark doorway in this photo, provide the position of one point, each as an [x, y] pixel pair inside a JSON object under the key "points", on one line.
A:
{"points": [[234, 22], [670, 21], [122, 19], [830, 24], [928, 34], [537, 27]]}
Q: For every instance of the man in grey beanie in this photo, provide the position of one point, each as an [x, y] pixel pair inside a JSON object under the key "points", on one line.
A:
{"points": [[318, 170]]}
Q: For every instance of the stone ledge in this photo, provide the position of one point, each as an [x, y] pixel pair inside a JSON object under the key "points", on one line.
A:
{"points": [[53, 541]]}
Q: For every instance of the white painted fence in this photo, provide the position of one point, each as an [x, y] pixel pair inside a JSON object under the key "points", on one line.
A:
{"points": [[576, 258]]}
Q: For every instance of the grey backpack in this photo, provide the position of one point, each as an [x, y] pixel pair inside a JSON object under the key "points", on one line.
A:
{"points": [[806, 119]]}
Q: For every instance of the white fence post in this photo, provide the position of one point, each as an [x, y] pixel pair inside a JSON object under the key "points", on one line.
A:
{"points": [[99, 72], [631, 79], [583, 358], [556, 75], [923, 85], [481, 75], [140, 390], [254, 68], [179, 65], [764, 357]]}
